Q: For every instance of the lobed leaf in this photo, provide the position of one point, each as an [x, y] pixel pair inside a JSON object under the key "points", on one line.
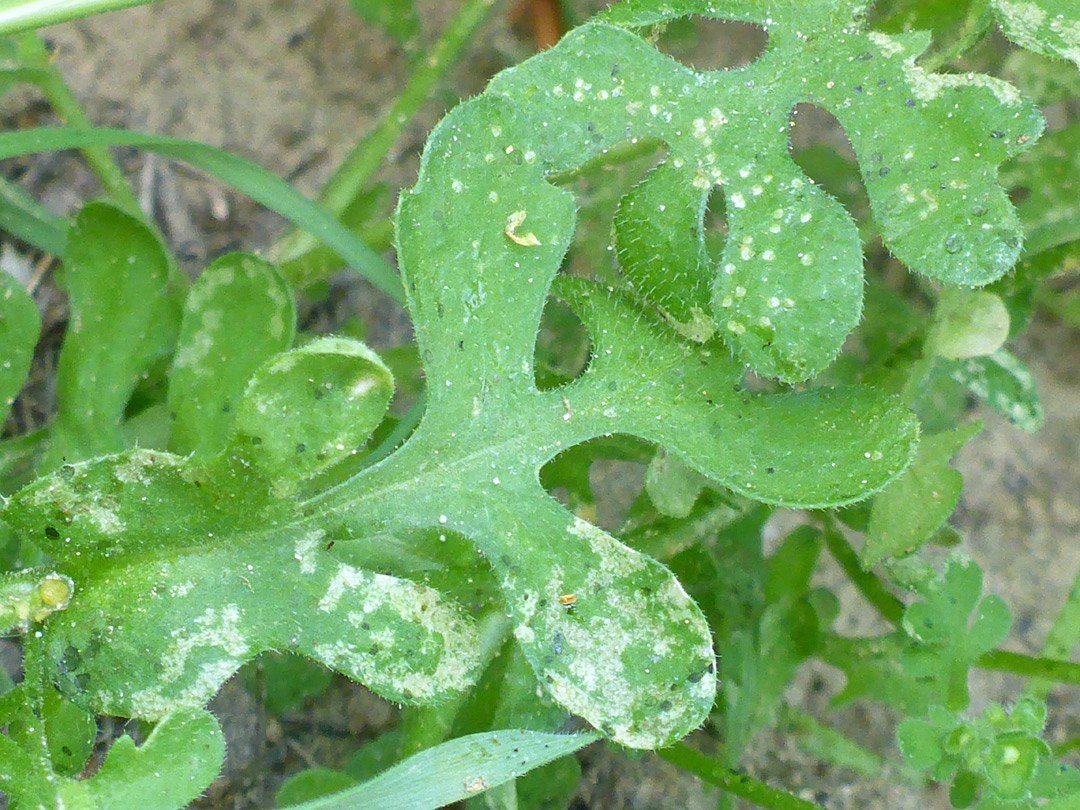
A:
{"points": [[931, 177], [20, 324], [948, 639]]}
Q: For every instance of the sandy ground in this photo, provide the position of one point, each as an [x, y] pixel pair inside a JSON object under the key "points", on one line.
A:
{"points": [[292, 85]]}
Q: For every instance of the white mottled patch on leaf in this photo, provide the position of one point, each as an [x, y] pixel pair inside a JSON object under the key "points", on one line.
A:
{"points": [[132, 468], [346, 578], [615, 559], [217, 628], [305, 550]]}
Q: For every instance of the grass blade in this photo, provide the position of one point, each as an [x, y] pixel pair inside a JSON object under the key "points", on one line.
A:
{"points": [[249, 178], [26, 15], [453, 771]]}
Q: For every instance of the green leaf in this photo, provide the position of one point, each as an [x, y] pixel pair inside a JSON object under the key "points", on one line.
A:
{"points": [[228, 577], [24, 781], [663, 260], [1004, 383], [455, 770], [396, 17], [112, 260], [237, 315], [20, 324], [930, 177], [1049, 27], [969, 323], [307, 409], [248, 178], [908, 513], [71, 733], [948, 640], [179, 760]]}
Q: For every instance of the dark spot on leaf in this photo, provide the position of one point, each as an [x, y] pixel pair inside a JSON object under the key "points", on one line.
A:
{"points": [[256, 441], [865, 56], [910, 102], [67, 472], [857, 88], [300, 447], [997, 133], [665, 705], [884, 171], [52, 533], [770, 470]]}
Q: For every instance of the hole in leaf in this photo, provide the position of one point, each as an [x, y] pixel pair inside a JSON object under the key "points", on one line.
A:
{"points": [[563, 346], [703, 43], [819, 145], [598, 186], [599, 480]]}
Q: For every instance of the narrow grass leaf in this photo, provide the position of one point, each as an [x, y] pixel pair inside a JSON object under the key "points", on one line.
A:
{"points": [[453, 771], [248, 178]]}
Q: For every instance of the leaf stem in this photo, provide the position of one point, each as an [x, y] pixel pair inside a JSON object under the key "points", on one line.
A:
{"points": [[34, 54], [868, 583], [365, 158], [737, 784], [1030, 666]]}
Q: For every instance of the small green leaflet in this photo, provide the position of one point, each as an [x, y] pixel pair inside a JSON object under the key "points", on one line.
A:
{"points": [[910, 510], [948, 640]]}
